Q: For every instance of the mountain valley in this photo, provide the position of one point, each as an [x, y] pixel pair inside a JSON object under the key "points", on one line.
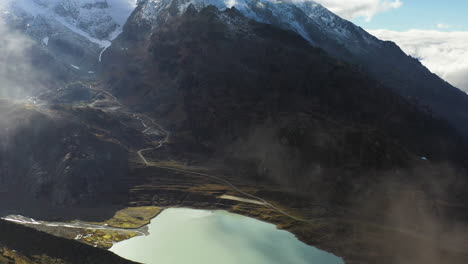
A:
{"points": [[282, 112]]}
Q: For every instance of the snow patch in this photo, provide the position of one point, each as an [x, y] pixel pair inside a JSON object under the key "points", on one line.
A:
{"points": [[102, 51], [45, 41], [99, 24], [297, 15]]}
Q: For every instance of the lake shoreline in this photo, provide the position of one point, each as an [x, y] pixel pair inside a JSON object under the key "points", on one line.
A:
{"points": [[195, 229]]}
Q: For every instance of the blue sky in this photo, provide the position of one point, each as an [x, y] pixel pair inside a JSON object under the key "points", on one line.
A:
{"points": [[421, 14], [435, 31]]}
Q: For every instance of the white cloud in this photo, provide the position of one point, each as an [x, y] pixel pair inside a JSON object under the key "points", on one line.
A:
{"points": [[443, 26], [350, 9], [19, 77], [444, 53]]}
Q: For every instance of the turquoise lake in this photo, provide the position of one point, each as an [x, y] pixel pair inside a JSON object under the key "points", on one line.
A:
{"points": [[189, 236]]}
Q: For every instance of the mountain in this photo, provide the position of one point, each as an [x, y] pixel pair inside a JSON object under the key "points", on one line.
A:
{"points": [[88, 27], [261, 104], [73, 33], [284, 99], [383, 60], [226, 84], [58, 158]]}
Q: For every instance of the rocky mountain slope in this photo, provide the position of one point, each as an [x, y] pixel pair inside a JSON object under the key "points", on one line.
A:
{"points": [[284, 97], [383, 60], [53, 159], [261, 104], [72, 33], [262, 96], [88, 27]]}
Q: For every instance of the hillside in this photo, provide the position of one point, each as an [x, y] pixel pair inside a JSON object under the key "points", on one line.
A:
{"points": [[230, 85], [203, 104], [55, 158]]}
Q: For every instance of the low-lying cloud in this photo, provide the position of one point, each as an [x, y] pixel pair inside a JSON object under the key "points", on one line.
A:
{"points": [[444, 53], [15, 66], [19, 74], [350, 9]]}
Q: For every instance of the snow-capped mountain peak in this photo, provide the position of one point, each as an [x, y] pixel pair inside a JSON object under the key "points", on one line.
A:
{"points": [[304, 16], [100, 21]]}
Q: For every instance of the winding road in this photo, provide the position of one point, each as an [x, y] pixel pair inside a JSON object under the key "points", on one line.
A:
{"points": [[156, 126], [213, 177], [225, 182]]}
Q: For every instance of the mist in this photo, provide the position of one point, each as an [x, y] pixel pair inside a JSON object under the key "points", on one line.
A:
{"points": [[423, 219], [413, 214], [19, 77]]}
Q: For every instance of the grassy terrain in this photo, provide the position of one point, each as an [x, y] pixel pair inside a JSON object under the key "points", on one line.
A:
{"points": [[126, 221], [104, 238], [133, 217], [128, 218]]}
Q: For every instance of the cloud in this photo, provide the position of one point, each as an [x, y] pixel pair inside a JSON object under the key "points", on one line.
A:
{"points": [[444, 53], [443, 26], [350, 9], [13, 63], [19, 77]]}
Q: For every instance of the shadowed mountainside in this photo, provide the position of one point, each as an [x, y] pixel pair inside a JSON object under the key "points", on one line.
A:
{"points": [[26, 245], [341, 39], [266, 100], [265, 105], [57, 157], [261, 105]]}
